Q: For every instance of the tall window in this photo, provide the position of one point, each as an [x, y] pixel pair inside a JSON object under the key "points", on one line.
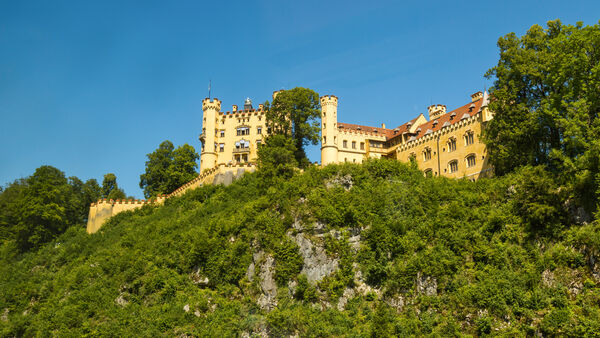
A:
{"points": [[469, 138], [259, 130], [221, 147], [470, 161], [427, 154], [362, 146], [353, 144], [243, 131], [345, 144], [453, 166], [222, 133], [452, 144]]}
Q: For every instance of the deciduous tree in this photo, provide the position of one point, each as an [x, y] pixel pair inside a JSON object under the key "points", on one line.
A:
{"points": [[546, 100], [167, 168]]}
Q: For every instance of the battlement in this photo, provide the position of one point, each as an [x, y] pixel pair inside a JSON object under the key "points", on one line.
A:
{"points": [[276, 92], [476, 96], [329, 100], [436, 110], [211, 104]]}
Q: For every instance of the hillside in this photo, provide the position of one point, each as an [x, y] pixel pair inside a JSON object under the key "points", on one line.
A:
{"points": [[348, 250]]}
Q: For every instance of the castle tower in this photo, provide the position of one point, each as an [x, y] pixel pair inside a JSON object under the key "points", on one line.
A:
{"points": [[210, 111], [329, 148]]}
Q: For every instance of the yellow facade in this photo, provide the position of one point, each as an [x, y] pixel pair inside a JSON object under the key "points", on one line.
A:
{"points": [[448, 144]]}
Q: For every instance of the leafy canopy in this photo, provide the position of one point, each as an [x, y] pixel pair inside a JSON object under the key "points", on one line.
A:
{"points": [[110, 188], [167, 168], [296, 113], [37, 209], [546, 100]]}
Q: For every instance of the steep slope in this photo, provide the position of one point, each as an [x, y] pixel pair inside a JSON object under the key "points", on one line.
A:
{"points": [[345, 250]]}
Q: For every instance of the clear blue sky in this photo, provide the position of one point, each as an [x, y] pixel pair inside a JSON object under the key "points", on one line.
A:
{"points": [[92, 87]]}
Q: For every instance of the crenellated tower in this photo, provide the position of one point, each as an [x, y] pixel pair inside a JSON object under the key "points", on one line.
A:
{"points": [[210, 111], [329, 147]]}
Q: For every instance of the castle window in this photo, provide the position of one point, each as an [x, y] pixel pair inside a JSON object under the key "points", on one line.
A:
{"points": [[222, 133], [470, 161], [324, 114], [258, 142], [353, 144], [345, 144], [324, 125], [324, 139], [259, 130], [469, 138], [243, 131], [453, 166], [354, 160], [451, 144], [221, 147], [362, 146], [428, 173], [426, 154]]}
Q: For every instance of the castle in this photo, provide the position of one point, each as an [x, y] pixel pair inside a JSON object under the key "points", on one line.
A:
{"points": [[447, 144]]}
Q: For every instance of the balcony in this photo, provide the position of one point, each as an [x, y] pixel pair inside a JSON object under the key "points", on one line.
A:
{"points": [[241, 150]]}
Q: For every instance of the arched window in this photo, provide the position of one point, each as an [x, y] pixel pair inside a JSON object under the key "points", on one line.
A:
{"points": [[451, 144], [468, 138], [453, 166], [470, 160], [428, 173], [427, 154]]}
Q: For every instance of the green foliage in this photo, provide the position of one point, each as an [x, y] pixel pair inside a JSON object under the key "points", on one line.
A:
{"points": [[168, 168], [110, 188], [439, 257], [37, 209], [546, 103], [296, 113], [276, 159]]}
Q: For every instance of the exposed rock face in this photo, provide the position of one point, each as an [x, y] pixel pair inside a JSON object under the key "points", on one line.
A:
{"points": [[4, 316], [198, 279], [316, 262], [121, 300], [548, 279], [268, 298], [345, 182], [397, 302], [426, 285], [348, 294]]}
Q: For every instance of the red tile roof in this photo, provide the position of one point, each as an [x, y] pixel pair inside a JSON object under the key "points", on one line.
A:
{"points": [[458, 114], [365, 129]]}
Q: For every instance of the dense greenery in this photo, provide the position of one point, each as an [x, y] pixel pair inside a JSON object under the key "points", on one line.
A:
{"points": [[36, 209], [110, 188], [168, 168], [546, 100], [296, 113], [505, 255]]}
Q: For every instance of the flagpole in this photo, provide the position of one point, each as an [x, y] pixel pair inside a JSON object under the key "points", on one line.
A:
{"points": [[209, 83]]}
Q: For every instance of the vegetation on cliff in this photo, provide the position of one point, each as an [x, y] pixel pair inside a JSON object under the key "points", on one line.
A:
{"points": [[371, 249]]}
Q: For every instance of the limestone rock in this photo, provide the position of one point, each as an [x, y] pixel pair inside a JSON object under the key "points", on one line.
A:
{"points": [[548, 279], [121, 299], [426, 285], [268, 299], [198, 279], [316, 262], [347, 295], [397, 302], [4, 316], [345, 182], [186, 308]]}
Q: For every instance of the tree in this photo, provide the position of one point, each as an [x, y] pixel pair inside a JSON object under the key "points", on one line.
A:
{"points": [[110, 188], [36, 209], [546, 100], [167, 169], [276, 157], [296, 114]]}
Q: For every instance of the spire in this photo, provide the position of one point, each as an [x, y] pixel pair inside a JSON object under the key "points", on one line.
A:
{"points": [[486, 99]]}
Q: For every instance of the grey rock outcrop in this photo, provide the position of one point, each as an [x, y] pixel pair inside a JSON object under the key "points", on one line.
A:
{"points": [[317, 264], [268, 298], [426, 285]]}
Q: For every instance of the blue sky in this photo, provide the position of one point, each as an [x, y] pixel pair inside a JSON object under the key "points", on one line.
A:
{"points": [[92, 87]]}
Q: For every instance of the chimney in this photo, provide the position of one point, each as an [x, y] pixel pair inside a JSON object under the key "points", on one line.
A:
{"points": [[383, 126], [234, 108]]}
